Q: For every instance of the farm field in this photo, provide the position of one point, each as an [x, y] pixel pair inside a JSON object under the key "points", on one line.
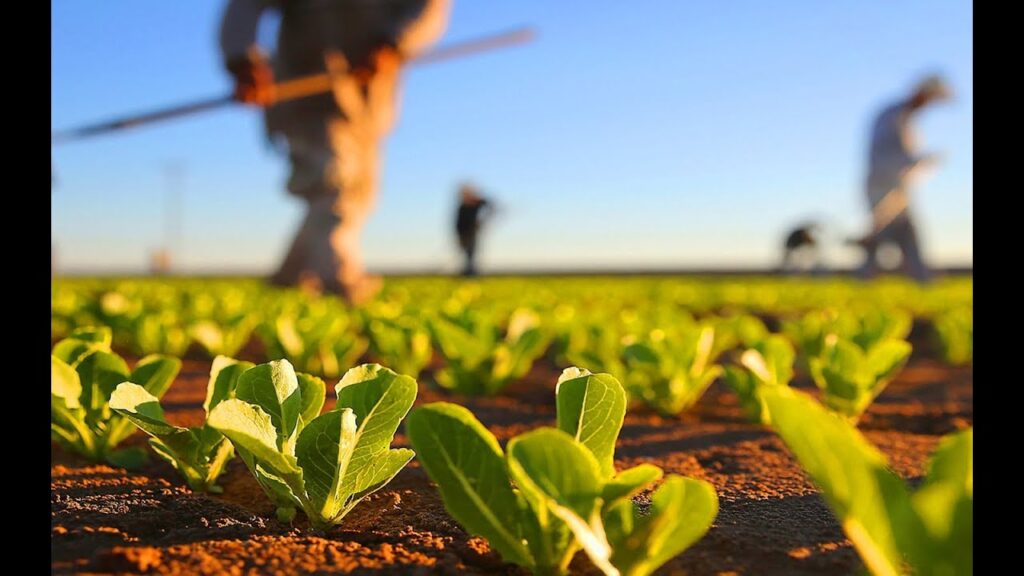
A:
{"points": [[680, 347]]}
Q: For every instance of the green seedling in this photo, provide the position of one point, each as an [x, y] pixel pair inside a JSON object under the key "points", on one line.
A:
{"points": [[324, 464], [850, 378], [200, 453], [767, 363], [896, 530], [83, 374], [555, 491]]}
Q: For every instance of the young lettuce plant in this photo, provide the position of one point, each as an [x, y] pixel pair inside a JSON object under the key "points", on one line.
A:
{"points": [[400, 343], [671, 372], [808, 332], [954, 330], [737, 330], [200, 453], [325, 345], [478, 363], [555, 490], [928, 530], [160, 332], [324, 464], [850, 378], [224, 338], [879, 325], [768, 363], [83, 374], [865, 328], [596, 345]]}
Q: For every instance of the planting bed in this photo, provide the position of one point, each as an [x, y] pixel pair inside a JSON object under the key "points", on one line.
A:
{"points": [[771, 519]]}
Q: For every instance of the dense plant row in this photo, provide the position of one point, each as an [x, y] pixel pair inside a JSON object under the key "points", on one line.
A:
{"points": [[552, 491], [662, 339]]}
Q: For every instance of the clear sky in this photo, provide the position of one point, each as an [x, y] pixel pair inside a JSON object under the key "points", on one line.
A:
{"points": [[654, 133]]}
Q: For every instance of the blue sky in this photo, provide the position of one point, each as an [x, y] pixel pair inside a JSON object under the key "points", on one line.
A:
{"points": [[671, 134]]}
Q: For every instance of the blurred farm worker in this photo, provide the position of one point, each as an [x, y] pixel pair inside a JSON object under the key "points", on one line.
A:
{"points": [[333, 140], [800, 250], [473, 211], [894, 163]]}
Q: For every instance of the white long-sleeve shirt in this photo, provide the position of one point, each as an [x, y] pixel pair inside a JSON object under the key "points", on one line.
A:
{"points": [[893, 154]]}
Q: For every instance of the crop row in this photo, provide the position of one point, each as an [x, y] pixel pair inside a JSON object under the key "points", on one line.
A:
{"points": [[643, 332], [552, 491]]}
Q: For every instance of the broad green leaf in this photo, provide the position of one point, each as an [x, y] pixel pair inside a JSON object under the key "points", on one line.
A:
{"points": [[641, 353], [67, 426], [324, 449], [524, 349], [944, 544], [520, 322], [142, 408], [591, 409], [273, 387], [456, 342], [380, 400], [274, 487], [279, 492], [888, 357], [64, 435], [953, 461], [628, 483], [64, 383], [208, 334], [745, 385], [288, 337], [101, 335], [877, 325], [702, 352], [81, 342], [681, 512], [71, 351], [312, 390], [852, 475], [771, 360], [381, 471], [562, 482], [155, 373], [466, 462], [768, 363], [193, 477], [252, 429], [945, 505], [100, 372], [224, 375], [218, 457], [851, 378]]}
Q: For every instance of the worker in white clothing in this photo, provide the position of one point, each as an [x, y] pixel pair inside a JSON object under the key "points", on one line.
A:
{"points": [[894, 164], [333, 140]]}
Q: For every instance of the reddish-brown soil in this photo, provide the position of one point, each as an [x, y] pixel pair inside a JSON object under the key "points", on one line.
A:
{"points": [[771, 519]]}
